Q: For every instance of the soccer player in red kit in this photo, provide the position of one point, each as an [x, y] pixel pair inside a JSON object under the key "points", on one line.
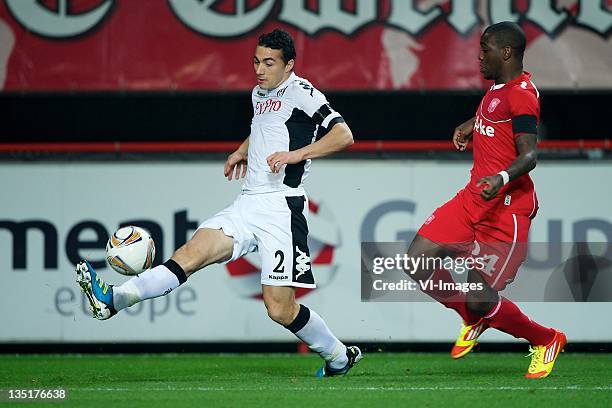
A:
{"points": [[490, 217]]}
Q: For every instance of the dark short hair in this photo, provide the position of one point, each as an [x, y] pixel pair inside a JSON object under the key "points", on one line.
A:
{"points": [[508, 34], [279, 40]]}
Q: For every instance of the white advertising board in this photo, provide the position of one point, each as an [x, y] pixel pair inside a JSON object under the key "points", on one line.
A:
{"points": [[54, 213]]}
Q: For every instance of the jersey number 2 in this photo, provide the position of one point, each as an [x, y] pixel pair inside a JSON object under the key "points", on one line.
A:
{"points": [[279, 268]]}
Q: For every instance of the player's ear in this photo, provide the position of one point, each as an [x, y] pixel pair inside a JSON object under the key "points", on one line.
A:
{"points": [[289, 65], [507, 53]]}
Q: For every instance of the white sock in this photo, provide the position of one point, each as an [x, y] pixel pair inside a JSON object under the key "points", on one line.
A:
{"points": [[150, 284], [309, 327]]}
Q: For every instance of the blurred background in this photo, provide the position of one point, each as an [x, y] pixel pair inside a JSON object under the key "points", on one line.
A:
{"points": [[122, 112]]}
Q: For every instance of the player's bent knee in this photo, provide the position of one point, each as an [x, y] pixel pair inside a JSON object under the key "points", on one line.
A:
{"points": [[476, 307], [280, 314], [419, 248], [185, 258]]}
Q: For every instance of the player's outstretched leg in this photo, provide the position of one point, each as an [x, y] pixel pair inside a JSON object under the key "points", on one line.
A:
{"points": [[106, 300], [205, 247], [308, 326]]}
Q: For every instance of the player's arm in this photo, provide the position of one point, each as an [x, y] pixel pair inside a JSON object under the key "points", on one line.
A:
{"points": [[338, 138], [463, 134], [525, 111], [337, 135], [525, 162], [237, 161]]}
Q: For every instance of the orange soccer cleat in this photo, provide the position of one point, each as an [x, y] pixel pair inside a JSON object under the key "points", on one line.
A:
{"points": [[543, 357], [468, 338]]}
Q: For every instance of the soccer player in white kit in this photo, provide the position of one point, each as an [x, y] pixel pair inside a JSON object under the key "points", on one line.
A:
{"points": [[269, 216]]}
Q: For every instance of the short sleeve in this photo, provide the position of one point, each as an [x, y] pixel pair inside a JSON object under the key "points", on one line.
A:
{"points": [[524, 111], [523, 102], [312, 102]]}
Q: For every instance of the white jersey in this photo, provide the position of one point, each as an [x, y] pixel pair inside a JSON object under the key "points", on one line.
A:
{"points": [[286, 118]]}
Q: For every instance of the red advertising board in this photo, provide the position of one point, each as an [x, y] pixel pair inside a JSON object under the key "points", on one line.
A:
{"points": [[115, 45]]}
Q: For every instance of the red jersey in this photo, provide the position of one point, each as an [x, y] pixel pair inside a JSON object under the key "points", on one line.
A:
{"points": [[494, 146]]}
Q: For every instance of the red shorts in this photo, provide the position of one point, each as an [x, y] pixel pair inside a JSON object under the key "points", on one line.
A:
{"points": [[498, 239]]}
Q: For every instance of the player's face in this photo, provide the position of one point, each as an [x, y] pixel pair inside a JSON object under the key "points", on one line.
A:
{"points": [[490, 57], [270, 68]]}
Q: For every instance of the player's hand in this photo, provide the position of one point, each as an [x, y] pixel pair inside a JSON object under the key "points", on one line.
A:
{"points": [[463, 134], [493, 184], [277, 160], [237, 162]]}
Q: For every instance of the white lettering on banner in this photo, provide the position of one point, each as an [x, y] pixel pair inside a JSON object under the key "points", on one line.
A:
{"points": [[330, 15], [592, 15], [543, 14], [201, 17], [501, 10], [405, 15], [46, 22], [463, 17]]}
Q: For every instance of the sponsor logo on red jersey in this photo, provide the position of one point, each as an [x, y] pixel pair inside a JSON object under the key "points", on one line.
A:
{"points": [[493, 105], [482, 129]]}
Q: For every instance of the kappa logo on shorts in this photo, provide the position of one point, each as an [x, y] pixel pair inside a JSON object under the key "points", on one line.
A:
{"points": [[323, 241], [278, 277], [302, 263], [429, 219]]}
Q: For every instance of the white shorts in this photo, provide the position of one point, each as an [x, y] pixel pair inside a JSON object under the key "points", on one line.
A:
{"points": [[276, 226]]}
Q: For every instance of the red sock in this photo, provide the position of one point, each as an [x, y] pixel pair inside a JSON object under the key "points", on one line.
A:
{"points": [[453, 299], [507, 317]]}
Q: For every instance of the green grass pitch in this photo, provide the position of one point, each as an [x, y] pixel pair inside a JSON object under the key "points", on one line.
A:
{"points": [[380, 379]]}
